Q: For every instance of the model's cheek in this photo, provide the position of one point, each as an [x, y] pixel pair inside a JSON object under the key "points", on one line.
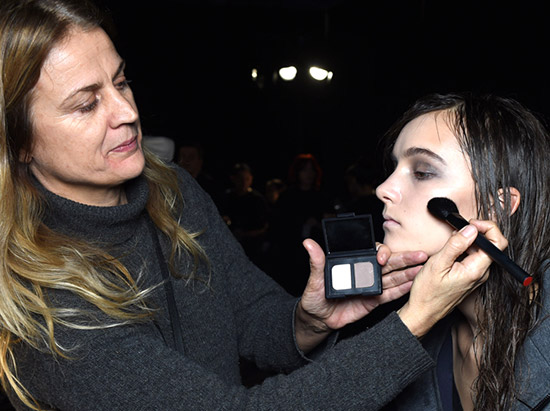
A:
{"points": [[468, 208]]}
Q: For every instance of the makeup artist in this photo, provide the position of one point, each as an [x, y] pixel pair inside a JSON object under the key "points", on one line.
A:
{"points": [[121, 288]]}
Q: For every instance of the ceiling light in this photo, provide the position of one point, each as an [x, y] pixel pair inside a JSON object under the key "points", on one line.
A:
{"points": [[288, 73], [319, 73]]}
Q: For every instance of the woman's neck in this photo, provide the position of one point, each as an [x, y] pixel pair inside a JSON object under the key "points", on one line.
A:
{"points": [[468, 309], [466, 345]]}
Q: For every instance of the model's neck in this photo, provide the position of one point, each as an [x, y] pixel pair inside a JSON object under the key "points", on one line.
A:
{"points": [[468, 309], [466, 346]]}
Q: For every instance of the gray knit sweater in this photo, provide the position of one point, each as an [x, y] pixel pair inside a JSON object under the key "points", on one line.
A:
{"points": [[241, 313]]}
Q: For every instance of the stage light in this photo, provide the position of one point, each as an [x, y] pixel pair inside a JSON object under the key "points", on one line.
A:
{"points": [[320, 74], [288, 73], [254, 74]]}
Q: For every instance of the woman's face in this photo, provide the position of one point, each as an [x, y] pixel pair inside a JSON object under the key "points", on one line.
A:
{"points": [[86, 130], [428, 163]]}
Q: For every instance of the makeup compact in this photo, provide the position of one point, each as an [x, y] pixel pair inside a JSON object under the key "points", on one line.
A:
{"points": [[351, 267]]}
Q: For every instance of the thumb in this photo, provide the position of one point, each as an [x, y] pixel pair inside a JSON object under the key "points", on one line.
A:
{"points": [[457, 244], [316, 259]]}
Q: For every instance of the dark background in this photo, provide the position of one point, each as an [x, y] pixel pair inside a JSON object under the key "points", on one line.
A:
{"points": [[190, 64]]}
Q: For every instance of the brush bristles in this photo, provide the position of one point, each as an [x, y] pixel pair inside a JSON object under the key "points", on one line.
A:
{"points": [[441, 207]]}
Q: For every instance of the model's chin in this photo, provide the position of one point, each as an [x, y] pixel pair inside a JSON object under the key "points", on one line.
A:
{"points": [[398, 243], [389, 240], [394, 246]]}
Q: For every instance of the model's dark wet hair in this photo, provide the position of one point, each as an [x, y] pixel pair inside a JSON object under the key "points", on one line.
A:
{"points": [[507, 146]]}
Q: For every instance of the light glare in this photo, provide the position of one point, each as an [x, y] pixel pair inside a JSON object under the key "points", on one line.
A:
{"points": [[319, 73], [288, 73]]}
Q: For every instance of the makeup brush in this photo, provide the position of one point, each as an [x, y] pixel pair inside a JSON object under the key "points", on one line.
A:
{"points": [[446, 209]]}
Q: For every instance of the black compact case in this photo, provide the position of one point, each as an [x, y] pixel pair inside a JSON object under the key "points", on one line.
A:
{"points": [[351, 267]]}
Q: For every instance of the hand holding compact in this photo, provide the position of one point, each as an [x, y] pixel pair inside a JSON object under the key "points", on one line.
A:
{"points": [[317, 316]]}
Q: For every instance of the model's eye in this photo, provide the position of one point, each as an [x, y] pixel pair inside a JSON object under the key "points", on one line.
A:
{"points": [[420, 175], [423, 171]]}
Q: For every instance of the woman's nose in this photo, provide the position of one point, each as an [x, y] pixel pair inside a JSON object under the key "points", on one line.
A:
{"points": [[123, 109], [389, 190]]}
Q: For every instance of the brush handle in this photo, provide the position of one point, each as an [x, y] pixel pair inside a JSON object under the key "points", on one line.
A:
{"points": [[457, 221]]}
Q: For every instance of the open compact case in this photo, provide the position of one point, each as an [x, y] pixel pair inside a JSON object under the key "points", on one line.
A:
{"points": [[351, 267]]}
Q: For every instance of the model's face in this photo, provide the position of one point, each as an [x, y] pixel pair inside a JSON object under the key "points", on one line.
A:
{"points": [[428, 163], [86, 131]]}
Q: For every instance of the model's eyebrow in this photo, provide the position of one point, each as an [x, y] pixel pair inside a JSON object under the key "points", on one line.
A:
{"points": [[415, 151], [94, 86]]}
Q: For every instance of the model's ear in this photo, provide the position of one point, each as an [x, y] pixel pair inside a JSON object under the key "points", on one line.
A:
{"points": [[515, 198]]}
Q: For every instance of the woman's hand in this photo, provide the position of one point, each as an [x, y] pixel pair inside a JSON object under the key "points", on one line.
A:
{"points": [[443, 282], [316, 316]]}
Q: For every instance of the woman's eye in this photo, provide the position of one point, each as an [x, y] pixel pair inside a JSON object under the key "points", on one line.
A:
{"points": [[122, 84], [89, 107]]}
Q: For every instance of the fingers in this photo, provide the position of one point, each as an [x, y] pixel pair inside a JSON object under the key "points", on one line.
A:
{"points": [[397, 278], [457, 245], [475, 265], [491, 231], [395, 292], [477, 260], [398, 261]]}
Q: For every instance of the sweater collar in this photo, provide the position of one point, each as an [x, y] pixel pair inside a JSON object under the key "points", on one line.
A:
{"points": [[111, 225]]}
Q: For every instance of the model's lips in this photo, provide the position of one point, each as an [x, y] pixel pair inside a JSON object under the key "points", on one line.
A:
{"points": [[389, 221], [128, 145]]}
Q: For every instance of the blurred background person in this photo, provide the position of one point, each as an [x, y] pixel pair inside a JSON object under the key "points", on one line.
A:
{"points": [[190, 156], [273, 189], [271, 249], [361, 180], [245, 211], [302, 206]]}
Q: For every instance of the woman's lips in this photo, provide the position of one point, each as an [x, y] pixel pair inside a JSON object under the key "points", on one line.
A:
{"points": [[128, 145]]}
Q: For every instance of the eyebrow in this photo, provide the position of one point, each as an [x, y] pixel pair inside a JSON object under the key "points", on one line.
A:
{"points": [[94, 86], [415, 151]]}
